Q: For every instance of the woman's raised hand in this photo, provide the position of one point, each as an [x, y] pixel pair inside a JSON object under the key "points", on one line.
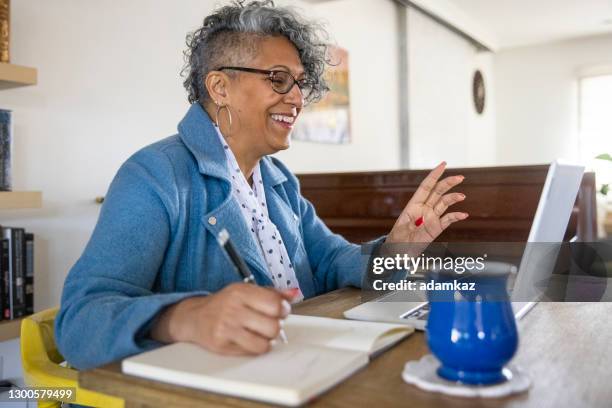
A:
{"points": [[424, 218], [239, 319]]}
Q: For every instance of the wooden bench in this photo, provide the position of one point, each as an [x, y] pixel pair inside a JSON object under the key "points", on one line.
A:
{"points": [[501, 202]]}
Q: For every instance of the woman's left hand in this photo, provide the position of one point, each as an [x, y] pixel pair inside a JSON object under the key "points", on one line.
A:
{"points": [[423, 218]]}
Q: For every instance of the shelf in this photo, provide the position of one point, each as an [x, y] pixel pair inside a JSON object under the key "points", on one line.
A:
{"points": [[10, 329], [15, 200], [12, 76]]}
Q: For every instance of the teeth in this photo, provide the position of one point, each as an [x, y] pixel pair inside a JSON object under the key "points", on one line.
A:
{"points": [[283, 118]]}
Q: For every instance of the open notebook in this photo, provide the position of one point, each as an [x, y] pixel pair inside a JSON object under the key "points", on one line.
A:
{"points": [[321, 353]]}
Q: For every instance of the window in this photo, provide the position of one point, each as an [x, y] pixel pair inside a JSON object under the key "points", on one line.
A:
{"points": [[596, 125]]}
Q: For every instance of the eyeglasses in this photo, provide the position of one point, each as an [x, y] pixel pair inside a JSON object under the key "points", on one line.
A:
{"points": [[282, 81]]}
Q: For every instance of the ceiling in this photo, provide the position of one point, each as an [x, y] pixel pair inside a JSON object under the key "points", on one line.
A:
{"points": [[523, 22]]}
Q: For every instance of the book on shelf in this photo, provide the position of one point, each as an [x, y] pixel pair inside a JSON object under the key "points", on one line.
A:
{"points": [[29, 273], [6, 142], [16, 273], [5, 282], [16, 260]]}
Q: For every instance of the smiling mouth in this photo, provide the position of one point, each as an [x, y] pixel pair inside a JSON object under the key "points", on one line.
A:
{"points": [[286, 121]]}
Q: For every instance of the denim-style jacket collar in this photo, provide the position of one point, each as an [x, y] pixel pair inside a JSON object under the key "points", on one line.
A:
{"points": [[198, 133]]}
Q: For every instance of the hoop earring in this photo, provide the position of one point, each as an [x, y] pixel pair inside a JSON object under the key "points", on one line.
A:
{"points": [[229, 116]]}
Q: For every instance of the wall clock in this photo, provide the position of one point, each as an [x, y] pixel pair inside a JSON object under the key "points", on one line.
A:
{"points": [[478, 92]]}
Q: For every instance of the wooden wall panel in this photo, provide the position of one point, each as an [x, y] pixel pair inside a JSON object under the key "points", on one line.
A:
{"points": [[501, 202]]}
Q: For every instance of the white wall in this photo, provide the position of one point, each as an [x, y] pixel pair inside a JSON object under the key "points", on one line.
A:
{"points": [[109, 85], [537, 98], [368, 30], [443, 122]]}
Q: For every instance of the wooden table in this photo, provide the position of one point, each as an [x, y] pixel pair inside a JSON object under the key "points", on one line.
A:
{"points": [[565, 347]]}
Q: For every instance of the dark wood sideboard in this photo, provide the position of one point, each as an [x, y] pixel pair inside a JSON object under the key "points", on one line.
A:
{"points": [[501, 202]]}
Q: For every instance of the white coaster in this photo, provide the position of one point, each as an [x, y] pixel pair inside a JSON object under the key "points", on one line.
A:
{"points": [[422, 373]]}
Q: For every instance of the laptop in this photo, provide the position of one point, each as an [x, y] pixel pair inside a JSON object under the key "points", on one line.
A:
{"points": [[549, 225]]}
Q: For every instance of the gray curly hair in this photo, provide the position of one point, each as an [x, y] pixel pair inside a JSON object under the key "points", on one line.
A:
{"points": [[230, 36]]}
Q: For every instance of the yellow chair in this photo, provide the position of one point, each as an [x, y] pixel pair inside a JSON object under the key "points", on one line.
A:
{"points": [[41, 364]]}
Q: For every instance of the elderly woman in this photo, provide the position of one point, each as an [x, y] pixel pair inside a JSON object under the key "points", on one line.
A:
{"points": [[153, 271]]}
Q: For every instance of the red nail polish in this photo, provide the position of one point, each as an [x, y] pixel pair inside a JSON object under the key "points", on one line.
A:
{"points": [[419, 221], [293, 291]]}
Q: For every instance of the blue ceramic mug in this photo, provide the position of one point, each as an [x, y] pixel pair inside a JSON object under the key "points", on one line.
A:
{"points": [[472, 332]]}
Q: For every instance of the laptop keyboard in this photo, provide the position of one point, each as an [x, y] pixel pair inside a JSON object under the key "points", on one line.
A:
{"points": [[420, 313]]}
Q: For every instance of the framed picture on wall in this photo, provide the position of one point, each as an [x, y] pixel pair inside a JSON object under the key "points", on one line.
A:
{"points": [[328, 121]]}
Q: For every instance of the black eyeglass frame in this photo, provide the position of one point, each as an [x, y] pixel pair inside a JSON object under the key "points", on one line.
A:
{"points": [[301, 83]]}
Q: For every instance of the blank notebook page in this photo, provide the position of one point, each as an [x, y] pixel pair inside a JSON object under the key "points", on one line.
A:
{"points": [[367, 337], [289, 374]]}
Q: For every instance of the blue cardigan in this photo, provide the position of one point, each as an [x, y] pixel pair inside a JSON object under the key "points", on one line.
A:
{"points": [[154, 244]]}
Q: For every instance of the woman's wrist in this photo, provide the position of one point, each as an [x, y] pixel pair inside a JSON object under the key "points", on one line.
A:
{"points": [[172, 325]]}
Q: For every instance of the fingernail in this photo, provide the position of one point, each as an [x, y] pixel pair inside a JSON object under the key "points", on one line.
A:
{"points": [[465, 215], [293, 292], [419, 221], [286, 308], [462, 195], [442, 164], [281, 323], [273, 342]]}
